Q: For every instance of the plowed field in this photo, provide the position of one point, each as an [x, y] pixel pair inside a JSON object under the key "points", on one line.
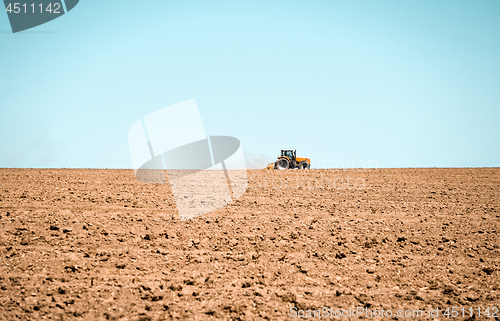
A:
{"points": [[98, 244]]}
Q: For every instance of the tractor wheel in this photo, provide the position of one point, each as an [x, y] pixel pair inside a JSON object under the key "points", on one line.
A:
{"points": [[282, 163], [304, 165]]}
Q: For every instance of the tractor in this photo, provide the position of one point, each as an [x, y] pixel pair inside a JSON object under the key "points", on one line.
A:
{"points": [[289, 160]]}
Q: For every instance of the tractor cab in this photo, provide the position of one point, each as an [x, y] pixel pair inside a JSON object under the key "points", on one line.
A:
{"points": [[290, 153]]}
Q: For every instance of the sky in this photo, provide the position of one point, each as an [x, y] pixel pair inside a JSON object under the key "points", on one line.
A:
{"points": [[347, 83]]}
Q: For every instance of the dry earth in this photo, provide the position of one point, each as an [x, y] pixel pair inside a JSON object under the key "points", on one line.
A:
{"points": [[98, 244]]}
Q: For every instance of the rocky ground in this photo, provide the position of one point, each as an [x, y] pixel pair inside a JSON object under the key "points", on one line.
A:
{"points": [[97, 244]]}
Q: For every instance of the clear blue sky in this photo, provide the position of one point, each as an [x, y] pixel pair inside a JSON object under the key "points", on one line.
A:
{"points": [[397, 83]]}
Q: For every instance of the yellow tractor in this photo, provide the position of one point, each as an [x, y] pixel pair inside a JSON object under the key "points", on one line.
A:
{"points": [[289, 160]]}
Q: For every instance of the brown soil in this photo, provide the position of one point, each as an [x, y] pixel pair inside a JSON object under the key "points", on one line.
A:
{"points": [[98, 244]]}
